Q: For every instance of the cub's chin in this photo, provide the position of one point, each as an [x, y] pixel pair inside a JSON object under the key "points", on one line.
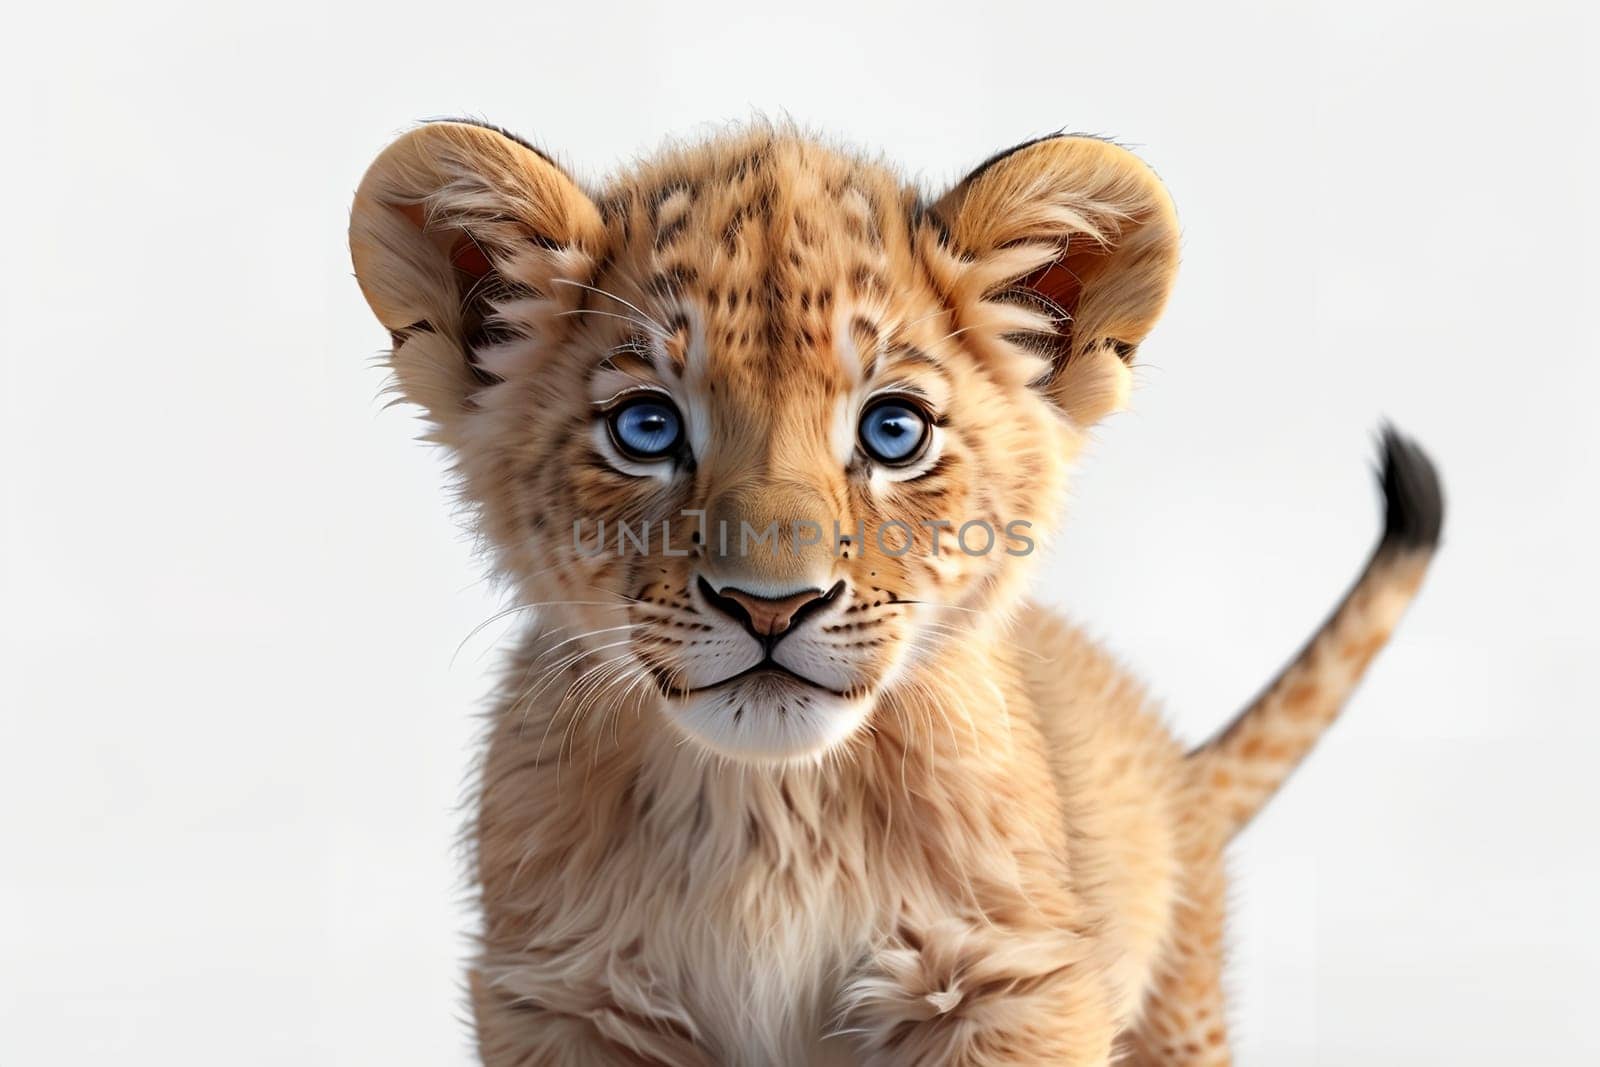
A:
{"points": [[768, 717]]}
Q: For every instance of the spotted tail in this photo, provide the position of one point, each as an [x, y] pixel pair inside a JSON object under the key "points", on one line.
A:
{"points": [[1245, 764]]}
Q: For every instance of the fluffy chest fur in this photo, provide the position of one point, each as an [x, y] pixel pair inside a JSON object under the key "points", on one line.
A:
{"points": [[723, 911], [630, 879]]}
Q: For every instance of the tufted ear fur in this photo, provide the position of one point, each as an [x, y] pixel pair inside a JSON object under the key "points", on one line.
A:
{"points": [[1073, 245], [453, 224]]}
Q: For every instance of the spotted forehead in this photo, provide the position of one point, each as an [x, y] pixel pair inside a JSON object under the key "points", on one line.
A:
{"points": [[774, 255]]}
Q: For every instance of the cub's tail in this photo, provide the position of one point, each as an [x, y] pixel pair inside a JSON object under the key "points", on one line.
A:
{"points": [[1245, 764]]}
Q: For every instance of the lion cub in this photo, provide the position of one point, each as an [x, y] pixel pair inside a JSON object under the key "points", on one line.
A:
{"points": [[785, 769]]}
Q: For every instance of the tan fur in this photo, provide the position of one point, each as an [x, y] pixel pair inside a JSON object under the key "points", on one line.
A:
{"points": [[976, 844]]}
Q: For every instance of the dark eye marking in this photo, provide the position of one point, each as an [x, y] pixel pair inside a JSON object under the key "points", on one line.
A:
{"points": [[672, 280], [666, 234]]}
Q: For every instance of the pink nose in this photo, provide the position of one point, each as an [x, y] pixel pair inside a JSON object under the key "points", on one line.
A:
{"points": [[766, 616], [770, 615]]}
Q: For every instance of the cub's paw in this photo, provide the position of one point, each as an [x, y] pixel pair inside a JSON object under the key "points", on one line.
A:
{"points": [[954, 993]]}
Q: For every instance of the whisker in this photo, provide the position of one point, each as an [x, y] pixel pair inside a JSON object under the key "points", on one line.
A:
{"points": [[650, 327], [627, 304]]}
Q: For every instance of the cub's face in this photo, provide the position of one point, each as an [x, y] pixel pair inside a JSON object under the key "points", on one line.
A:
{"points": [[758, 430]]}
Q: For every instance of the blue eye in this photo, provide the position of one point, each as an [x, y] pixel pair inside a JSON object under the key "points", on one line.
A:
{"points": [[894, 432], [646, 429]]}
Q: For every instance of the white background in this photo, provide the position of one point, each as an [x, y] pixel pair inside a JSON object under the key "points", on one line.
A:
{"points": [[232, 735]]}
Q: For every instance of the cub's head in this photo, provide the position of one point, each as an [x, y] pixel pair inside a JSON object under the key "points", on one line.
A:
{"points": [[759, 427]]}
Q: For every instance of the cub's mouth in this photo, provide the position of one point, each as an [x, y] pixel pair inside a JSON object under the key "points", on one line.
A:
{"points": [[768, 667], [767, 673], [767, 713]]}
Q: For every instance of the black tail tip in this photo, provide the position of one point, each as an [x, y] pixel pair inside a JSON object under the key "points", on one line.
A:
{"points": [[1413, 501]]}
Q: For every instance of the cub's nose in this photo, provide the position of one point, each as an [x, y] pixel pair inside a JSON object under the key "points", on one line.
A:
{"points": [[767, 617]]}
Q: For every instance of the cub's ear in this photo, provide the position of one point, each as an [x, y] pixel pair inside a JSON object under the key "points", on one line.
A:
{"points": [[1065, 246], [456, 228]]}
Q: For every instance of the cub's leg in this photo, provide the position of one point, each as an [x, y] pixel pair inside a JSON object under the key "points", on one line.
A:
{"points": [[965, 995], [515, 1034], [1183, 1023]]}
